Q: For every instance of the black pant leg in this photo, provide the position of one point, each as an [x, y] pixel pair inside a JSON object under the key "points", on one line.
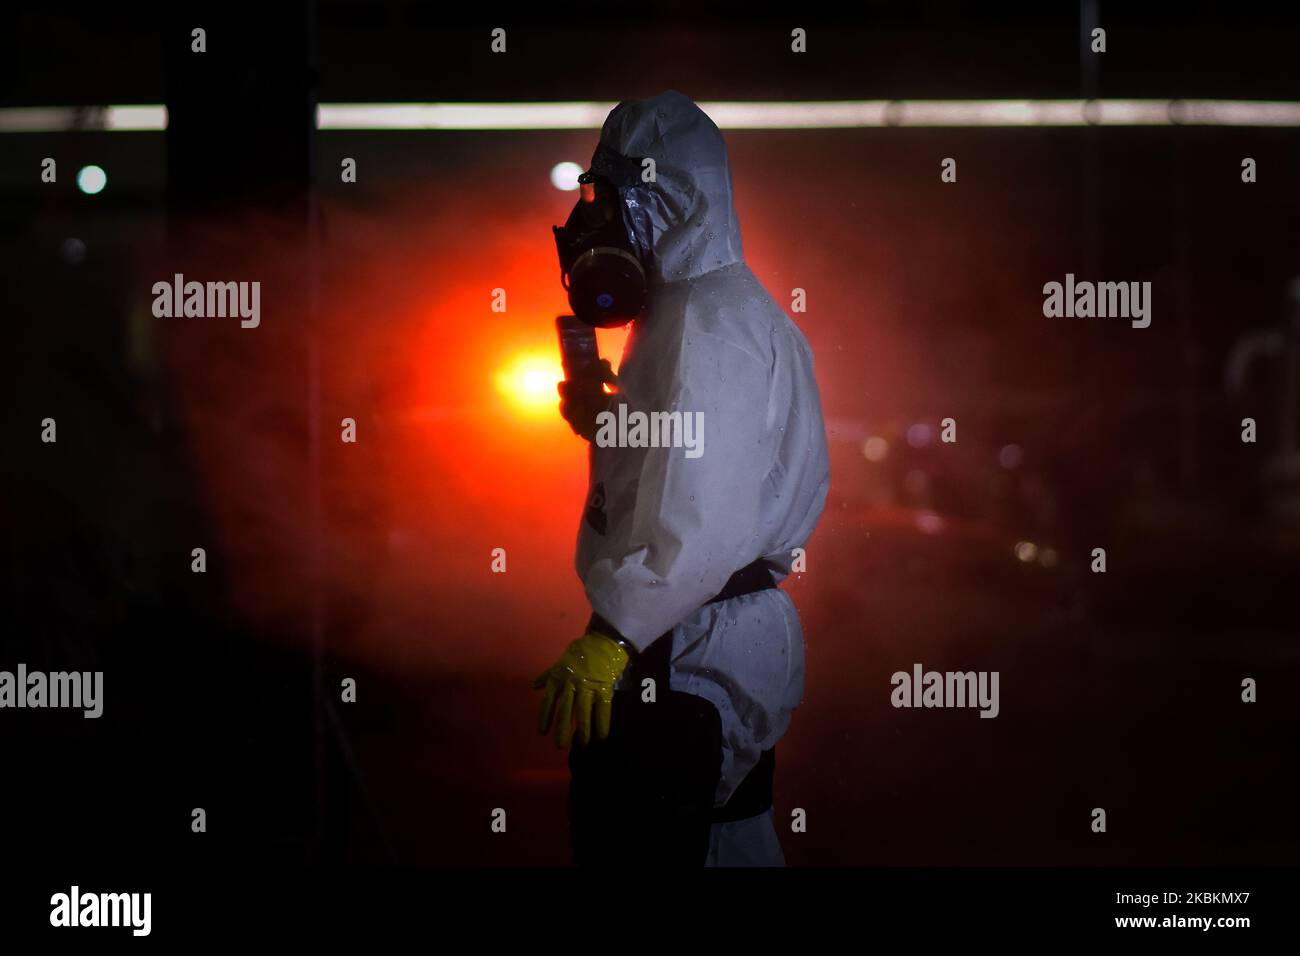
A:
{"points": [[644, 795]]}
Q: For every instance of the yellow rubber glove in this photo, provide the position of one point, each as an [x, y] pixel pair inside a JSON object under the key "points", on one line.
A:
{"points": [[581, 681]]}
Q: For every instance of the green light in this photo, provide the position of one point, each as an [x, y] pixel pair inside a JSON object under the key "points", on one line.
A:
{"points": [[91, 180]]}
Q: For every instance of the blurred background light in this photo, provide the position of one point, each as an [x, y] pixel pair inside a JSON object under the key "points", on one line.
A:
{"points": [[564, 176], [73, 251], [1026, 551], [528, 383], [91, 180], [875, 448], [927, 522]]}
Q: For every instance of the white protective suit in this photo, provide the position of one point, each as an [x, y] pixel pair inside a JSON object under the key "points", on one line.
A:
{"points": [[675, 528]]}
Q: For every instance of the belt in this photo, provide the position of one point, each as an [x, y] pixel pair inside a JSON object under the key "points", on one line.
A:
{"points": [[753, 577]]}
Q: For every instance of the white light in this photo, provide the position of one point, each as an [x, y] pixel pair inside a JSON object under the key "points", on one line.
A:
{"points": [[565, 176], [462, 116], [1026, 551], [728, 114], [825, 114], [58, 119], [135, 118], [91, 180]]}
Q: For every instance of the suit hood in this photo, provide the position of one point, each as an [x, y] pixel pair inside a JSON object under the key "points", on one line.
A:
{"points": [[684, 222]]}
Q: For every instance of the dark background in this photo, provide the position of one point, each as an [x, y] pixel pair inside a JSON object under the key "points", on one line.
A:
{"points": [[371, 561]]}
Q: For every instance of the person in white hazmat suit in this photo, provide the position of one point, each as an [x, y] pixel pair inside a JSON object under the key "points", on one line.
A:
{"points": [[687, 531]]}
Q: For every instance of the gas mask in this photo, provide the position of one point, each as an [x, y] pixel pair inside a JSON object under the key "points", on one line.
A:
{"points": [[601, 266]]}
